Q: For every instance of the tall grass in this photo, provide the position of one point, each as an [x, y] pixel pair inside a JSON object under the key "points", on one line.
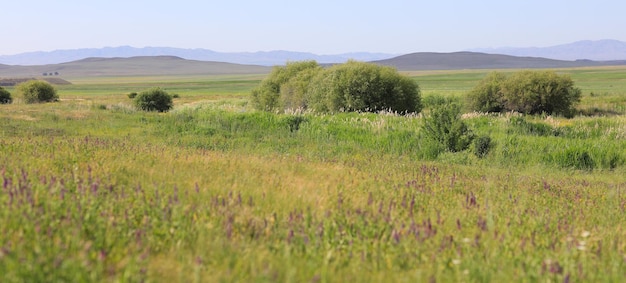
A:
{"points": [[214, 192]]}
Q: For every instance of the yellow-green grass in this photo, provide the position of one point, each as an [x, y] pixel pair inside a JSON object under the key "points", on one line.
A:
{"points": [[215, 192]]}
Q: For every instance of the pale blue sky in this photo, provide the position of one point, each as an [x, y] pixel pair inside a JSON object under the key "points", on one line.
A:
{"points": [[322, 26]]}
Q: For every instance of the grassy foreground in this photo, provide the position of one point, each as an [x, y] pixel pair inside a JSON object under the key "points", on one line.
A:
{"points": [[214, 192]]}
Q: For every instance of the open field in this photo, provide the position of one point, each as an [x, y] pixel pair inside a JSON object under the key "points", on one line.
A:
{"points": [[93, 190]]}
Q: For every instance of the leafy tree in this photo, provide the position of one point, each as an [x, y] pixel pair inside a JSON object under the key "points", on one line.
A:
{"points": [[358, 86], [268, 95], [35, 91], [445, 127], [5, 96], [154, 99]]}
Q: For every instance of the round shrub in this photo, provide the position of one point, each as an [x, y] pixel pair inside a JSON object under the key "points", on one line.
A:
{"points": [[482, 146], [132, 95], [358, 86], [285, 86], [155, 99], [487, 95], [529, 92], [35, 91], [5, 96]]}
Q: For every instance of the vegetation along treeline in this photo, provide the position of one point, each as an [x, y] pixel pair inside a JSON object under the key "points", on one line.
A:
{"points": [[264, 179]]}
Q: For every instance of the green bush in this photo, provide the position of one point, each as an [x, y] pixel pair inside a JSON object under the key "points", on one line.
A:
{"points": [[155, 99], [358, 86], [132, 95], [354, 86], [445, 127], [35, 91], [482, 145], [285, 86], [487, 95], [529, 92], [5, 96]]}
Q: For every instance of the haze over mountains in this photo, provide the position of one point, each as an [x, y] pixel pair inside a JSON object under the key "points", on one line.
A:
{"points": [[129, 61], [601, 50], [263, 58]]}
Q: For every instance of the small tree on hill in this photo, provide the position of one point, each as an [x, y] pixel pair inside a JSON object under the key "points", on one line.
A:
{"points": [[5, 96], [35, 91], [155, 99]]}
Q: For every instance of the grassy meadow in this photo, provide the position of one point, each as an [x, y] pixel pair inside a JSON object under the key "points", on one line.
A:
{"points": [[213, 191]]}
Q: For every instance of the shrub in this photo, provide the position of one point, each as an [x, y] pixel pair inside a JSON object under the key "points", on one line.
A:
{"points": [[155, 99], [358, 86], [5, 96], [35, 91], [482, 146], [529, 92], [268, 96], [445, 127], [132, 95], [354, 86], [487, 95], [535, 92]]}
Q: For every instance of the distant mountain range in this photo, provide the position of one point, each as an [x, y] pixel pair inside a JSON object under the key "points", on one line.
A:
{"points": [[263, 58], [176, 66], [600, 50]]}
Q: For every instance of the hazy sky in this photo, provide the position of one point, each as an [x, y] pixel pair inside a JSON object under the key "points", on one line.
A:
{"points": [[322, 26]]}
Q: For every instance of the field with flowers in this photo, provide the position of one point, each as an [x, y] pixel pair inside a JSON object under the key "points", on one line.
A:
{"points": [[213, 191]]}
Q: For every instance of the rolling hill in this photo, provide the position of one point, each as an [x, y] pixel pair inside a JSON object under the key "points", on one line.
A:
{"points": [[474, 60], [176, 66], [134, 66]]}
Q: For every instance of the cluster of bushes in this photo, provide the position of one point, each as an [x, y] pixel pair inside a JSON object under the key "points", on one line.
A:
{"points": [[353, 86], [32, 91], [528, 92]]}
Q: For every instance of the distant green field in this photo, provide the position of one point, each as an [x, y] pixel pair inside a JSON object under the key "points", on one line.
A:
{"points": [[213, 191]]}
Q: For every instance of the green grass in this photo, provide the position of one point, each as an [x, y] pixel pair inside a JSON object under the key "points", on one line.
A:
{"points": [[215, 192]]}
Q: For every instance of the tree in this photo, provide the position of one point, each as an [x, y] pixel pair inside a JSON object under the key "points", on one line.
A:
{"points": [[358, 86], [154, 99], [35, 91], [5, 96], [529, 92]]}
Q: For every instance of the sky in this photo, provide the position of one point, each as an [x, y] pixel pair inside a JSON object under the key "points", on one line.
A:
{"points": [[321, 27]]}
